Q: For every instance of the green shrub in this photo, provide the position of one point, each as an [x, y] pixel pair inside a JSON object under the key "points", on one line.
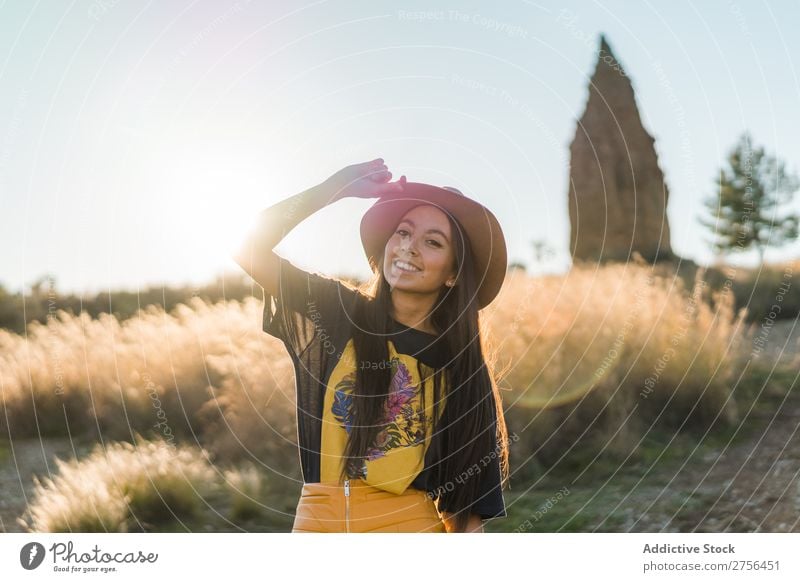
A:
{"points": [[247, 488]]}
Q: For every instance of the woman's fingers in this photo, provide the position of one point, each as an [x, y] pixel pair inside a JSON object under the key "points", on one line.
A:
{"points": [[388, 188], [397, 186], [372, 164], [381, 176]]}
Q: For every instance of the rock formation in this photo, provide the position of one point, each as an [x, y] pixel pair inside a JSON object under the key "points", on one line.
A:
{"points": [[617, 195]]}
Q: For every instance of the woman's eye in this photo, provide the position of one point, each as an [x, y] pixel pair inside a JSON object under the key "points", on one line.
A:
{"points": [[404, 232]]}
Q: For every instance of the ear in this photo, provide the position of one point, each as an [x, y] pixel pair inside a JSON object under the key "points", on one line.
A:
{"points": [[452, 280]]}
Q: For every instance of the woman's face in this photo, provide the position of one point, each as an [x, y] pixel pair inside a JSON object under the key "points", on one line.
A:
{"points": [[423, 239]]}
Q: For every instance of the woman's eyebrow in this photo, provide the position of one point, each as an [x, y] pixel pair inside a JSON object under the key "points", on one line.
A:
{"points": [[434, 230]]}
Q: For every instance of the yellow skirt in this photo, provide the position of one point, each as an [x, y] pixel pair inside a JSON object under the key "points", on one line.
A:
{"points": [[355, 507]]}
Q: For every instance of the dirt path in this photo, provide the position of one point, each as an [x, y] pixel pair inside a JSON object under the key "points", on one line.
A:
{"points": [[759, 480], [754, 484]]}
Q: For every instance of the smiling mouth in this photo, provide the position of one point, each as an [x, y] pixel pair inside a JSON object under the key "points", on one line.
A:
{"points": [[405, 266]]}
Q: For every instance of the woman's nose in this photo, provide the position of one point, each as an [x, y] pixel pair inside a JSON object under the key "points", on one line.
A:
{"points": [[409, 248]]}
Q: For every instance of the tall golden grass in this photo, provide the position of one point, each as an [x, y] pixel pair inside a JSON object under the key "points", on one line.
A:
{"points": [[121, 487], [592, 360], [598, 357], [203, 373], [141, 487]]}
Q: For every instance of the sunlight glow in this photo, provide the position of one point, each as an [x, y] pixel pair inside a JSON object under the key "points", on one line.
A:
{"points": [[205, 195]]}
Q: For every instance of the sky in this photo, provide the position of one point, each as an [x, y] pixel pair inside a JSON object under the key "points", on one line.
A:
{"points": [[139, 140]]}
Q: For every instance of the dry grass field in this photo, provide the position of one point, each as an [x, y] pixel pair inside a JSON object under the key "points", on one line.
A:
{"points": [[178, 420]]}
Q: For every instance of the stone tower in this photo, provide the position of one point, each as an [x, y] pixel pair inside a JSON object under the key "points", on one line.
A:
{"points": [[617, 195]]}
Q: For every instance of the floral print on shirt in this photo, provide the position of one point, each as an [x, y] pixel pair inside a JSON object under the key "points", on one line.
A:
{"points": [[402, 415]]}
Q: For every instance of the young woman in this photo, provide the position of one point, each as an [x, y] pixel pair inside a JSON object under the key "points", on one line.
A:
{"points": [[400, 422]]}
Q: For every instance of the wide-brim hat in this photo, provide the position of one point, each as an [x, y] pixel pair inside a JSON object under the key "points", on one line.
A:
{"points": [[479, 224]]}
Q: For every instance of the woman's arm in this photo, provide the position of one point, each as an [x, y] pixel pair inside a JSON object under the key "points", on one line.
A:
{"points": [[474, 525], [256, 257]]}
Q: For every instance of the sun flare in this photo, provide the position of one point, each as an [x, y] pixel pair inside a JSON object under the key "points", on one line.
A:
{"points": [[209, 196]]}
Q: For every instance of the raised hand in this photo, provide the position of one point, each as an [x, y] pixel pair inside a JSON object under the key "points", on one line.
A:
{"points": [[364, 180]]}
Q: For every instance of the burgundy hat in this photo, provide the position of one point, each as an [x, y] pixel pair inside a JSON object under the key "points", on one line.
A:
{"points": [[480, 226]]}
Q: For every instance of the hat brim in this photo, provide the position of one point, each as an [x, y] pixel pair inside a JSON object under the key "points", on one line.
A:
{"points": [[480, 225]]}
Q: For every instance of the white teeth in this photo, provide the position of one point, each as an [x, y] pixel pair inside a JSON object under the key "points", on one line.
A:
{"points": [[405, 266]]}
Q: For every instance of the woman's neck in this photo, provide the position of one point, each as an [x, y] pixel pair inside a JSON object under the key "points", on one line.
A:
{"points": [[412, 315]]}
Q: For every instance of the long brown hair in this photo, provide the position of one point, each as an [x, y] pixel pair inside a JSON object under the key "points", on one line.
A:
{"points": [[472, 400]]}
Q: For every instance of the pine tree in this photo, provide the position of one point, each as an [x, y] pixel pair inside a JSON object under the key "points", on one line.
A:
{"points": [[749, 192]]}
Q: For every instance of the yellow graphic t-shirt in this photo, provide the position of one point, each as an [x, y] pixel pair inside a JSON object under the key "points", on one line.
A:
{"points": [[310, 314], [398, 454]]}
